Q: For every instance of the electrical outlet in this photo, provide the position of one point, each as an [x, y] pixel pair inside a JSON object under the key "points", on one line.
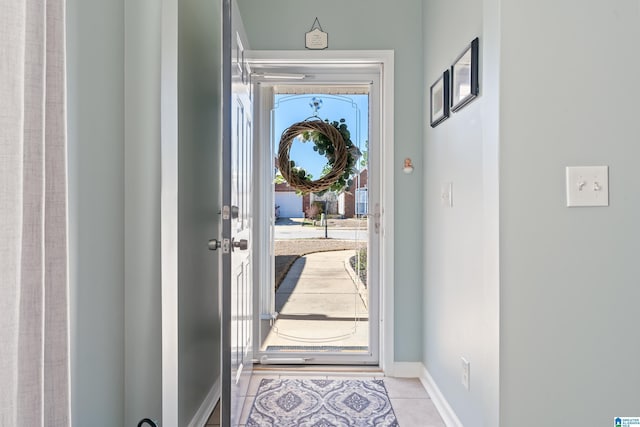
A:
{"points": [[465, 372], [446, 194]]}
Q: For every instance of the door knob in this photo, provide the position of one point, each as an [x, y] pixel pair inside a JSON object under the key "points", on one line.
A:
{"points": [[214, 244], [242, 244]]}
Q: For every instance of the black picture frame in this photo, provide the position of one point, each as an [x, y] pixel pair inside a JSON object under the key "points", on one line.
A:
{"points": [[465, 85], [439, 100]]}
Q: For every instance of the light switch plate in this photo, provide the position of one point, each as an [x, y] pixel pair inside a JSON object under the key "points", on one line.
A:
{"points": [[587, 186]]}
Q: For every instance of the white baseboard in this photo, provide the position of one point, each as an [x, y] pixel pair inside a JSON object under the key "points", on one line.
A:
{"points": [[204, 411], [406, 370], [446, 412]]}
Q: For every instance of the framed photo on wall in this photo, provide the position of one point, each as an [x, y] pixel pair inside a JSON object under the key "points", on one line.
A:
{"points": [[464, 77], [440, 99]]}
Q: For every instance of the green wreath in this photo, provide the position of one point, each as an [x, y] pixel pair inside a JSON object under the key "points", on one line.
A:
{"points": [[330, 139]]}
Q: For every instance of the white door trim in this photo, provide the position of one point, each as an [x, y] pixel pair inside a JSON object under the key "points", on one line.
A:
{"points": [[169, 210], [385, 59]]}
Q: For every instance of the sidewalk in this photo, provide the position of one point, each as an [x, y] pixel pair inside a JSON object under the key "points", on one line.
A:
{"points": [[351, 223], [287, 232], [319, 307]]}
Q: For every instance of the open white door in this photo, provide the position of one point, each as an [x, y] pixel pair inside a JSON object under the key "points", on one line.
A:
{"points": [[235, 244], [205, 193]]}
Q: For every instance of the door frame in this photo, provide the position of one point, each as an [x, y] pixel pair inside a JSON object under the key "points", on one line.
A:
{"points": [[169, 209], [385, 60]]}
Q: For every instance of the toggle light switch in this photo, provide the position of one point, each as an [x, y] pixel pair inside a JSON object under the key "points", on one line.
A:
{"points": [[587, 186]]}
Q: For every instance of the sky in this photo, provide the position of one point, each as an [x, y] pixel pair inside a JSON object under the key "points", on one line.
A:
{"points": [[290, 109]]}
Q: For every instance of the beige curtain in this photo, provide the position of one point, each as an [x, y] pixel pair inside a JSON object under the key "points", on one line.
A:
{"points": [[34, 331]]}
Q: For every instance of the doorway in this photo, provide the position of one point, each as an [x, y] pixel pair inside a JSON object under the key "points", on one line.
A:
{"points": [[323, 313], [328, 307]]}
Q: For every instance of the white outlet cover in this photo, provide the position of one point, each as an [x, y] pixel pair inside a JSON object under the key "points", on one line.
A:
{"points": [[446, 194], [587, 186], [465, 372]]}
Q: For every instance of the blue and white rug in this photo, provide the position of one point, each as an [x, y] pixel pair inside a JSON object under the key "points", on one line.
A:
{"points": [[321, 403]]}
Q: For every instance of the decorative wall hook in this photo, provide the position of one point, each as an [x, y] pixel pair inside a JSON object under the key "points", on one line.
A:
{"points": [[408, 166]]}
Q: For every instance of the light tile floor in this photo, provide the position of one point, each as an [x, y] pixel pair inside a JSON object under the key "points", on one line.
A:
{"points": [[411, 403]]}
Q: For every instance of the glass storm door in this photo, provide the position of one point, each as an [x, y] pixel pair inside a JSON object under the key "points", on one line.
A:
{"points": [[322, 303]]}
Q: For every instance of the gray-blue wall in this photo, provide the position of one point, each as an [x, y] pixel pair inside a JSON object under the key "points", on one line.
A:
{"points": [[199, 136], [553, 94], [570, 277], [114, 208], [461, 253], [143, 363], [96, 128], [371, 24]]}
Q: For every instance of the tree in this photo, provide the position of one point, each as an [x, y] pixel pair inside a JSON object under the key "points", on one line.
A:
{"points": [[364, 160]]}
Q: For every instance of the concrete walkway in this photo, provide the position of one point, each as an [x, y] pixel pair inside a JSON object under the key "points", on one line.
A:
{"points": [[319, 307]]}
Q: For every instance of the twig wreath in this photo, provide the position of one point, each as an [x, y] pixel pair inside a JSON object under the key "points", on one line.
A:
{"points": [[331, 139]]}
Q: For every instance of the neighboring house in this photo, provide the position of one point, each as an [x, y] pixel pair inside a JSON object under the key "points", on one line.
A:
{"points": [[353, 202], [328, 201], [291, 204], [294, 205]]}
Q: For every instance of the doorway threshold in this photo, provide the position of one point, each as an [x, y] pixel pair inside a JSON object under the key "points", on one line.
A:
{"points": [[346, 370], [322, 348]]}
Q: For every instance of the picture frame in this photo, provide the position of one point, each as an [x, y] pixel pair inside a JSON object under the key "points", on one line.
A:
{"points": [[464, 76], [439, 96]]}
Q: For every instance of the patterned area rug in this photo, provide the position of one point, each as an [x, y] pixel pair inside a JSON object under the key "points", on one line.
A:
{"points": [[321, 403]]}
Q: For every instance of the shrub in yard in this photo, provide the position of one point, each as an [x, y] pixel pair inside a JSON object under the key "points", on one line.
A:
{"points": [[359, 264], [314, 210]]}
